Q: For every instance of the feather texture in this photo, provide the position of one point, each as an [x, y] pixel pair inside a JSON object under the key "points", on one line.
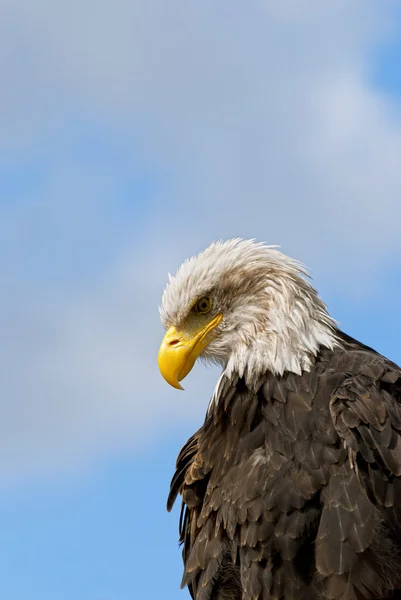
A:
{"points": [[291, 489]]}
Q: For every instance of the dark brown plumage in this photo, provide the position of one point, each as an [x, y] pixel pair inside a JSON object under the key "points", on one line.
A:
{"points": [[293, 492]]}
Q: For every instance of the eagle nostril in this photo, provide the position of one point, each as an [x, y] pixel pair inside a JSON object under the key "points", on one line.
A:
{"points": [[174, 342]]}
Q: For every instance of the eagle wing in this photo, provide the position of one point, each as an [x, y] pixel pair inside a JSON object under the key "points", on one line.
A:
{"points": [[366, 413], [185, 475]]}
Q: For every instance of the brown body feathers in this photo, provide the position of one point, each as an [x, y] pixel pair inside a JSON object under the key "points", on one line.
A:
{"points": [[293, 491]]}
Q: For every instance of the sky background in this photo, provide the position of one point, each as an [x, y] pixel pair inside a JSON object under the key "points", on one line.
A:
{"points": [[134, 133]]}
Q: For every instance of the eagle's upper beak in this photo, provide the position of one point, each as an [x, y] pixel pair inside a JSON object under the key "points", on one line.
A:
{"points": [[180, 349]]}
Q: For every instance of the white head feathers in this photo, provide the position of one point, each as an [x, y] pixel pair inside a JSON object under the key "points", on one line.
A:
{"points": [[273, 319]]}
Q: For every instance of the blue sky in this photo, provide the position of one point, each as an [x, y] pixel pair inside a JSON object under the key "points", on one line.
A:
{"points": [[133, 134]]}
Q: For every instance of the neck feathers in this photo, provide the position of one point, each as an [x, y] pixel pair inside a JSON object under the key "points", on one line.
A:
{"points": [[298, 325]]}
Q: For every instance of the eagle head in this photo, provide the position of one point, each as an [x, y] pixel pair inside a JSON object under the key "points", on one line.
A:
{"points": [[243, 305]]}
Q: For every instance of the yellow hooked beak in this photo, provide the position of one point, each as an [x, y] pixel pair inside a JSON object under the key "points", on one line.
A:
{"points": [[180, 349]]}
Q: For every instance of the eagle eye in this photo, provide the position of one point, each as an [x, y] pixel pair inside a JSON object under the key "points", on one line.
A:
{"points": [[203, 305]]}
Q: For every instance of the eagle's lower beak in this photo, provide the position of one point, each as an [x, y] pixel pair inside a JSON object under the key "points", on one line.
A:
{"points": [[180, 349]]}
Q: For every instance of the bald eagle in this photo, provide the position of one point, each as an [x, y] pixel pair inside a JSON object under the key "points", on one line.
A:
{"points": [[291, 489]]}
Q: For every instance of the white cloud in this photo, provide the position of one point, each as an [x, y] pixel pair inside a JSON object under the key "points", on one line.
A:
{"points": [[81, 378], [265, 116]]}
